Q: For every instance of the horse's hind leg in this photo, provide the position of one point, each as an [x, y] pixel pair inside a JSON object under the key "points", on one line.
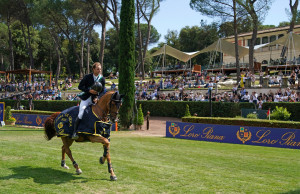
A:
{"points": [[66, 148]]}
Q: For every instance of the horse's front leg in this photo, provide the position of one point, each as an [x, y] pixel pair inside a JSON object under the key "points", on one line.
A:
{"points": [[63, 158], [106, 155], [67, 143], [113, 177]]}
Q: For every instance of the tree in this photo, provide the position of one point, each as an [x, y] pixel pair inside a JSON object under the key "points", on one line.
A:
{"points": [[8, 13], [197, 38], [146, 8], [294, 12], [24, 17], [256, 10], [227, 28], [4, 48], [224, 9], [127, 61]]}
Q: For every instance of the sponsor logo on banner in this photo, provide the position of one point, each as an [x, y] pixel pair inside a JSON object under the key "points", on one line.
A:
{"points": [[243, 134], [174, 129], [248, 135], [30, 119], [38, 120]]}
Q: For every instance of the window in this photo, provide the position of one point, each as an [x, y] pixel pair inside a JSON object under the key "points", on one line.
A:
{"points": [[257, 42], [272, 38], [280, 35], [265, 40], [249, 40]]}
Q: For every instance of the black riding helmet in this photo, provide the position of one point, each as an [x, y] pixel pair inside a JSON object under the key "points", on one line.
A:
{"points": [[97, 87]]}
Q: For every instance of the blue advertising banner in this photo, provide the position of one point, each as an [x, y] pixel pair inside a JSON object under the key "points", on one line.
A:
{"points": [[2, 109], [271, 137], [30, 119], [35, 120]]}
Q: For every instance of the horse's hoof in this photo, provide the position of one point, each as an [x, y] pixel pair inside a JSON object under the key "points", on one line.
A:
{"points": [[113, 178], [101, 160], [65, 166], [79, 171]]}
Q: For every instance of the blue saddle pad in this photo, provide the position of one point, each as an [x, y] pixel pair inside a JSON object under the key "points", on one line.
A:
{"points": [[89, 125]]}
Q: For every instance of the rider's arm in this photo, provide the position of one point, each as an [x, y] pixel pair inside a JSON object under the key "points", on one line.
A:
{"points": [[83, 85]]}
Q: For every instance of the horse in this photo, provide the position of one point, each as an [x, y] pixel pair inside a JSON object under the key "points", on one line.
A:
{"points": [[105, 112]]}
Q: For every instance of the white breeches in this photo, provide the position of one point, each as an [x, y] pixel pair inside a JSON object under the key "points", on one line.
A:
{"points": [[83, 105]]}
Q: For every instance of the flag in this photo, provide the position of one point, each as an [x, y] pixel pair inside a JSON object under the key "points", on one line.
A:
{"points": [[268, 113]]}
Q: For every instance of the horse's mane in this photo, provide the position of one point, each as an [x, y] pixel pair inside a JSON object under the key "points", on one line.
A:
{"points": [[105, 98]]}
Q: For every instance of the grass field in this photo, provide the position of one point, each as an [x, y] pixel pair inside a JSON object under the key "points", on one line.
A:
{"points": [[30, 164]]}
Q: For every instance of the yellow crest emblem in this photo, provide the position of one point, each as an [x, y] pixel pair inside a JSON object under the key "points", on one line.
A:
{"points": [[38, 120], [243, 134], [174, 129], [60, 125]]}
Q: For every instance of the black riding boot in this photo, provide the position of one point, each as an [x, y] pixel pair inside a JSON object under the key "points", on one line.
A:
{"points": [[76, 124]]}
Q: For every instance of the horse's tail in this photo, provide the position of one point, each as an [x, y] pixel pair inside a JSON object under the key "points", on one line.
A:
{"points": [[49, 126]]}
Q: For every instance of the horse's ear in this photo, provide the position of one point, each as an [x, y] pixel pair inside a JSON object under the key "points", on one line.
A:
{"points": [[114, 96]]}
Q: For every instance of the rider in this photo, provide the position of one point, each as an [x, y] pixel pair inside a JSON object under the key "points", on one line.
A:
{"points": [[89, 95]]}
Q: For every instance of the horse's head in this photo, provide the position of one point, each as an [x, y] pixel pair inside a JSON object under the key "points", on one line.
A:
{"points": [[114, 106], [109, 105]]}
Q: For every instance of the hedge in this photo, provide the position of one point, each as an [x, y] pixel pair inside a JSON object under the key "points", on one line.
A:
{"points": [[38, 112], [46, 105], [243, 122], [292, 107], [177, 108], [172, 108]]}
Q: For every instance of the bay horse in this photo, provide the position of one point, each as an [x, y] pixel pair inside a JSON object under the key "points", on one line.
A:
{"points": [[105, 111]]}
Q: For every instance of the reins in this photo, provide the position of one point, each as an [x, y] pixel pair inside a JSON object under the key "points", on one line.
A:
{"points": [[107, 114]]}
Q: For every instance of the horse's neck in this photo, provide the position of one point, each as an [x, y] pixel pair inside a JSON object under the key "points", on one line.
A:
{"points": [[100, 109]]}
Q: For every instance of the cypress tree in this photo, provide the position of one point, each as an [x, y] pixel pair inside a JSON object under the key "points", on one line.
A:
{"points": [[127, 61], [187, 111]]}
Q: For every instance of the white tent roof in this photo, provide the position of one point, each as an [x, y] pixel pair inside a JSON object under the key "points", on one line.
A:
{"points": [[220, 45], [226, 47], [182, 56]]}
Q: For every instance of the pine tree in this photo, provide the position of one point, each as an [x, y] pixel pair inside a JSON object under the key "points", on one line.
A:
{"points": [[127, 61]]}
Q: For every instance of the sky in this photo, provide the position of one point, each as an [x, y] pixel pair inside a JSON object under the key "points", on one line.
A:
{"points": [[176, 14]]}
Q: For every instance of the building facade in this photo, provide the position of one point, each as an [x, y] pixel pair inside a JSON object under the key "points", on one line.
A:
{"points": [[265, 55]]}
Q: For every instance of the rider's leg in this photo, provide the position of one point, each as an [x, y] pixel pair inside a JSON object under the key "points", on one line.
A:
{"points": [[82, 106]]}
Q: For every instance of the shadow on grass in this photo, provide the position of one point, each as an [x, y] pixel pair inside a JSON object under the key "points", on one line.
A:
{"points": [[43, 175], [5, 130], [293, 192]]}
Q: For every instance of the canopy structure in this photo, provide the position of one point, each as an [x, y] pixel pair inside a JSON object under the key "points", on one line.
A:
{"points": [[220, 45], [290, 40], [168, 50], [291, 45], [226, 47], [29, 72]]}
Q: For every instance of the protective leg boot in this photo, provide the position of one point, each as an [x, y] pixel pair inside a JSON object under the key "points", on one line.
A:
{"points": [[75, 135]]}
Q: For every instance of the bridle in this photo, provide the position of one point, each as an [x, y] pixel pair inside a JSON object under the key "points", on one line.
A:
{"points": [[118, 102], [117, 99]]}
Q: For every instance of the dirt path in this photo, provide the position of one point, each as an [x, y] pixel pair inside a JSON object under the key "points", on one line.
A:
{"points": [[157, 126]]}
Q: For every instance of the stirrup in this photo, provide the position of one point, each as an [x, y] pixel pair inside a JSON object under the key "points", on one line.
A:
{"points": [[75, 136]]}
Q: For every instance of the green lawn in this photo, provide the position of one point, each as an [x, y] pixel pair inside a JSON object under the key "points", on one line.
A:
{"points": [[30, 164]]}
